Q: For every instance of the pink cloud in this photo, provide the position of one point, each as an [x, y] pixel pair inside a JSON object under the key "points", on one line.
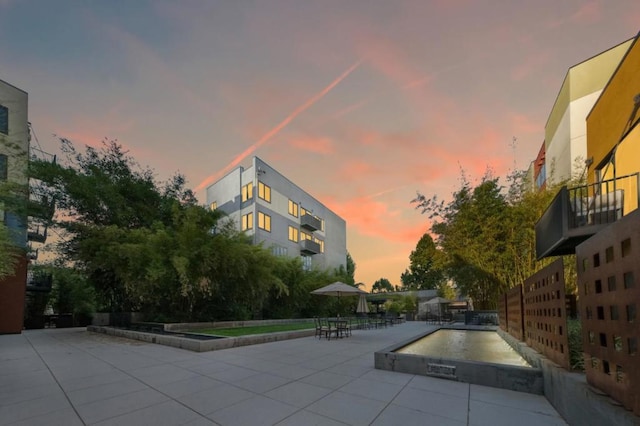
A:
{"points": [[314, 144], [531, 64], [588, 13]]}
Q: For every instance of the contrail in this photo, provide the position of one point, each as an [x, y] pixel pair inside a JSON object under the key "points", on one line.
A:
{"points": [[274, 131]]}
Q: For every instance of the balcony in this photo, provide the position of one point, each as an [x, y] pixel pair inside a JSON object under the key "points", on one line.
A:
{"points": [[310, 222], [37, 233], [39, 281], [309, 247], [576, 214]]}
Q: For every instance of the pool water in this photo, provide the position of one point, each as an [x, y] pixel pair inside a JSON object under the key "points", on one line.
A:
{"points": [[468, 345]]}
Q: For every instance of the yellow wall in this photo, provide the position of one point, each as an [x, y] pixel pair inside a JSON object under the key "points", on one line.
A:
{"points": [[608, 119], [583, 79]]}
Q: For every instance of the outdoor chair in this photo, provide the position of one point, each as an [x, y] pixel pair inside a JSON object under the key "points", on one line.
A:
{"points": [[321, 329], [344, 328]]}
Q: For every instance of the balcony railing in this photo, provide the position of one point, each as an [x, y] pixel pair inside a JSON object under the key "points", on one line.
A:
{"points": [[309, 247], [310, 222], [576, 214]]}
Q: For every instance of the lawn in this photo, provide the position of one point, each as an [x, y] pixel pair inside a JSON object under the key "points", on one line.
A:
{"points": [[256, 329]]}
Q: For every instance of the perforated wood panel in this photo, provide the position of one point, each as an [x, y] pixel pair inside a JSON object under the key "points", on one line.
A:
{"points": [[515, 319], [609, 292], [545, 318]]}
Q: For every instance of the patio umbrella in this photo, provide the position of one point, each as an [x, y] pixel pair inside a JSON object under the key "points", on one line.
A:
{"points": [[363, 307], [339, 289]]}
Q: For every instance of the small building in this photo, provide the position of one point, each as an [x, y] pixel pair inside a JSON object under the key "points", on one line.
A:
{"points": [[278, 214]]}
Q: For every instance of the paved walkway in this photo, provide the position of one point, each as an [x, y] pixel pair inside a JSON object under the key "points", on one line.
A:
{"points": [[74, 377]]}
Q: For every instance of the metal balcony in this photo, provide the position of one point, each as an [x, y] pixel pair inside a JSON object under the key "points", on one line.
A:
{"points": [[576, 214], [39, 281], [310, 222], [309, 247], [37, 234]]}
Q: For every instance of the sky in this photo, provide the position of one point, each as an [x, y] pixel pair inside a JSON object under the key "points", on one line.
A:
{"points": [[362, 103]]}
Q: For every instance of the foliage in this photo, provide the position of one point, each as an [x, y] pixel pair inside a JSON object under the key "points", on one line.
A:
{"points": [[576, 352], [382, 286], [423, 272], [8, 252], [487, 235], [447, 291], [351, 270], [71, 293]]}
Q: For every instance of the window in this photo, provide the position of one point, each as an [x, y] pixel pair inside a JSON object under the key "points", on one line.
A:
{"points": [[303, 211], [213, 206], [306, 263], [4, 167], [293, 208], [247, 192], [264, 192], [264, 221], [4, 120], [304, 236], [321, 243], [247, 221], [293, 234]]}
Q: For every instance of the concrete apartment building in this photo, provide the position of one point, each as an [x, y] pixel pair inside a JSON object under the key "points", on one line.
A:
{"points": [[280, 215], [14, 156], [566, 128]]}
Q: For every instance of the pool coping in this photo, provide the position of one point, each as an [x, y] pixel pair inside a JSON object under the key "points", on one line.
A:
{"points": [[201, 345], [511, 377]]}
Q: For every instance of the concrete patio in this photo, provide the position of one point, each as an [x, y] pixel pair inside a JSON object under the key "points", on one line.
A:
{"points": [[74, 377]]}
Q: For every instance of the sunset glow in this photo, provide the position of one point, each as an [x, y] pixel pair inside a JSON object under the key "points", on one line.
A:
{"points": [[361, 103]]}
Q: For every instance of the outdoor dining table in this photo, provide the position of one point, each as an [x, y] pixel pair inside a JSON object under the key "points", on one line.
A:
{"points": [[340, 325]]}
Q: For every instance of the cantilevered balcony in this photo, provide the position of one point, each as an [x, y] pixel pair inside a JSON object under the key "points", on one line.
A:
{"points": [[310, 222], [576, 214], [309, 247]]}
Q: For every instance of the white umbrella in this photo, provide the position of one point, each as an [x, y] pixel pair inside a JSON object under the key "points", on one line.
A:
{"points": [[338, 289], [363, 307]]}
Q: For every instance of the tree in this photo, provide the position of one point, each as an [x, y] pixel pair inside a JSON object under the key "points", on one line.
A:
{"points": [[424, 274], [8, 252], [351, 270], [382, 286]]}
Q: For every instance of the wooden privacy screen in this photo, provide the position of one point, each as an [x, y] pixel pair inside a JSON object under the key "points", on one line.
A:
{"points": [[515, 321], [545, 318], [609, 291], [502, 312]]}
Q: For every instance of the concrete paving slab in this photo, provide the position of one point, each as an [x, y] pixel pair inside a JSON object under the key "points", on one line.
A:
{"points": [[209, 400], [308, 418], [298, 394], [395, 415], [255, 411], [482, 413], [347, 408], [78, 377]]}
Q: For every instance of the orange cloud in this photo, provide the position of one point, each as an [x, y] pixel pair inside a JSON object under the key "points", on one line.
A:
{"points": [[315, 144], [588, 13], [274, 131]]}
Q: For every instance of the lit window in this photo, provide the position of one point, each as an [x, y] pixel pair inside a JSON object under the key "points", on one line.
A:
{"points": [[304, 236], [293, 208], [247, 192], [247, 221], [264, 192], [293, 234], [264, 221], [321, 243], [213, 206], [4, 120], [321, 223], [303, 211]]}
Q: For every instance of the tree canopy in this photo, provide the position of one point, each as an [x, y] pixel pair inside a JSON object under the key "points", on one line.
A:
{"points": [[486, 235]]}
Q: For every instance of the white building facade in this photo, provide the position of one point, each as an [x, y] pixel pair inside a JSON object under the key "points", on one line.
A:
{"points": [[281, 216]]}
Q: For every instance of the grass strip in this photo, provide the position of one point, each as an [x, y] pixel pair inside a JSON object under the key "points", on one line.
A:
{"points": [[256, 329]]}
